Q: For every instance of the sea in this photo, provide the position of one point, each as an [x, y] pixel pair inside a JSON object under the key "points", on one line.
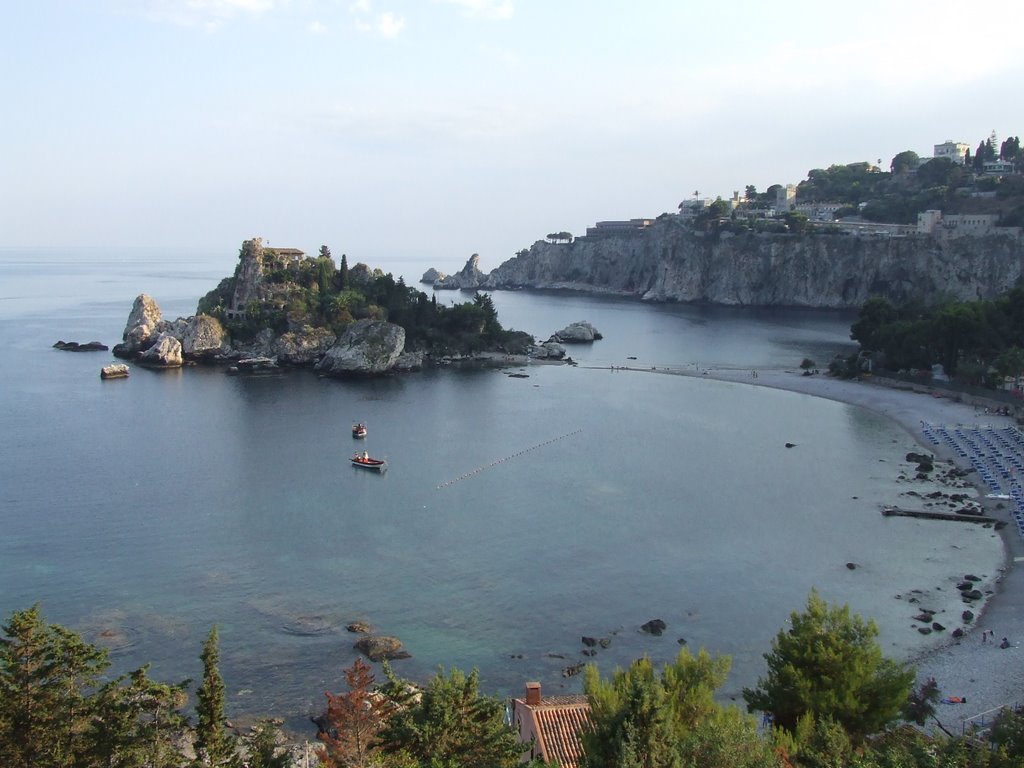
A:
{"points": [[523, 508]]}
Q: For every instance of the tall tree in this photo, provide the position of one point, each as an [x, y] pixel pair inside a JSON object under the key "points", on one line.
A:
{"points": [[354, 719], [449, 723], [325, 252], [137, 723], [906, 160], [828, 664], [343, 273], [214, 747], [641, 718], [46, 676]]}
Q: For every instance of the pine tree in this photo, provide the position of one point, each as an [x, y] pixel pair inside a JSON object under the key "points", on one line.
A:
{"points": [[213, 745], [828, 664], [46, 673], [450, 723], [643, 718], [137, 723]]}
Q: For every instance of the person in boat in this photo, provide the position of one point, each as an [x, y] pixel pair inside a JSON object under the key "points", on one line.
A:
{"points": [[366, 456]]}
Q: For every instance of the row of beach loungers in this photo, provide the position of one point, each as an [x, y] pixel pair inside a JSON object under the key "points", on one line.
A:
{"points": [[997, 453]]}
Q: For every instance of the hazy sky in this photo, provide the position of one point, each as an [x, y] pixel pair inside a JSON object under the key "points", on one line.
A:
{"points": [[440, 128]]}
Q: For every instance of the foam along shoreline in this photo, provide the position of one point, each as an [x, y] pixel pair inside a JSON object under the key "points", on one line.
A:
{"points": [[979, 671]]}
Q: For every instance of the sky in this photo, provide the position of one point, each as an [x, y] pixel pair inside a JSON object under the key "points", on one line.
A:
{"points": [[435, 129]]}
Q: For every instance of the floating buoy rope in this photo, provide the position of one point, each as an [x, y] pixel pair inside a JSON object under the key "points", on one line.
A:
{"points": [[515, 455]]}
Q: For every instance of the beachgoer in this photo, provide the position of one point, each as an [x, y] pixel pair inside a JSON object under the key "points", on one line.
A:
{"points": [[1004, 643]]}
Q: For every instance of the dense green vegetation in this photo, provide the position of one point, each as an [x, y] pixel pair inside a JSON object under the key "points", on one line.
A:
{"points": [[909, 187], [829, 665], [978, 343], [831, 697], [317, 292]]}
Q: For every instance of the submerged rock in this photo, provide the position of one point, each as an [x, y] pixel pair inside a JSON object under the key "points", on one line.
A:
{"points": [[654, 627], [381, 648], [74, 346]]}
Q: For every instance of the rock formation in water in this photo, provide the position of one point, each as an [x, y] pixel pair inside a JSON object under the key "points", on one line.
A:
{"points": [[151, 339], [468, 278], [165, 351], [579, 332], [669, 261], [74, 346], [431, 276]]}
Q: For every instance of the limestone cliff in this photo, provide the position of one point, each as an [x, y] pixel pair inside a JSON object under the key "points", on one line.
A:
{"points": [[670, 262]]}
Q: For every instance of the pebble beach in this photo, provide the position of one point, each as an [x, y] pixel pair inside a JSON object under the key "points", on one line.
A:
{"points": [[972, 668]]}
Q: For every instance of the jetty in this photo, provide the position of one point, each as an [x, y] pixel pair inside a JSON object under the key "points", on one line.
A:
{"points": [[926, 515]]}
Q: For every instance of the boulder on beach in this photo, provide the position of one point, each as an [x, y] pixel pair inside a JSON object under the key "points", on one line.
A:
{"points": [[549, 350]]}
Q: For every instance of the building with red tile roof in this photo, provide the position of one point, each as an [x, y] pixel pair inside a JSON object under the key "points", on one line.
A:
{"points": [[553, 724]]}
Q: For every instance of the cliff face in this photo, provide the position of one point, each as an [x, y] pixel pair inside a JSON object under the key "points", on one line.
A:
{"points": [[669, 262]]}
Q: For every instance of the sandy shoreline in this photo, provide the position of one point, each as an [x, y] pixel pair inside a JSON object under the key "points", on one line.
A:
{"points": [[981, 672]]}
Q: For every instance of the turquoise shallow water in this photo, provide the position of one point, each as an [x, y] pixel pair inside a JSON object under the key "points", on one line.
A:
{"points": [[517, 514]]}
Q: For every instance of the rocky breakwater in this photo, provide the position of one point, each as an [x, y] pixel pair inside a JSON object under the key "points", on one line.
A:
{"points": [[669, 261]]}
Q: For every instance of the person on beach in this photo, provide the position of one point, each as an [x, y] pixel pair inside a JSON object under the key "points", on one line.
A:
{"points": [[1004, 643]]}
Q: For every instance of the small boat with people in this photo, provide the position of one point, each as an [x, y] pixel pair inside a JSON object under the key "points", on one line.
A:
{"points": [[359, 430], [364, 460]]}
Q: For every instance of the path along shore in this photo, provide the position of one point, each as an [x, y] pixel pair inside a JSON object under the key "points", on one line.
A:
{"points": [[977, 670]]}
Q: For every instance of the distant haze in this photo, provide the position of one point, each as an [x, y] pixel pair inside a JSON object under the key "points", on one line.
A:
{"points": [[435, 129]]}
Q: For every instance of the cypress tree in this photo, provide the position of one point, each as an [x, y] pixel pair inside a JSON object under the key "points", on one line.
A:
{"points": [[213, 745], [343, 272]]}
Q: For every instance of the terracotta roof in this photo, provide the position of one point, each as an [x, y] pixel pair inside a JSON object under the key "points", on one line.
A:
{"points": [[558, 723]]}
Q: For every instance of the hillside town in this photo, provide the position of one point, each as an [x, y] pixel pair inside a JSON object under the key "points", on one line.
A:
{"points": [[952, 193]]}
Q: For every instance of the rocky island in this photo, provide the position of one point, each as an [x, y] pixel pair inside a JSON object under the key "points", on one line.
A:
{"points": [[281, 308]]}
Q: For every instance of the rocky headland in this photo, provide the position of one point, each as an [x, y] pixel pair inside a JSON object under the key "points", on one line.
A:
{"points": [[672, 262]]}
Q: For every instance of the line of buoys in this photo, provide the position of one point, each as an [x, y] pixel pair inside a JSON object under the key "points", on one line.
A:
{"points": [[496, 462]]}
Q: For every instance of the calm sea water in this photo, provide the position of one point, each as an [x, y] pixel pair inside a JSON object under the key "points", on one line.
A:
{"points": [[518, 514]]}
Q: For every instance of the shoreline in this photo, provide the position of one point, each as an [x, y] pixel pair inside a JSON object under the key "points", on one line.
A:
{"points": [[986, 676]]}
